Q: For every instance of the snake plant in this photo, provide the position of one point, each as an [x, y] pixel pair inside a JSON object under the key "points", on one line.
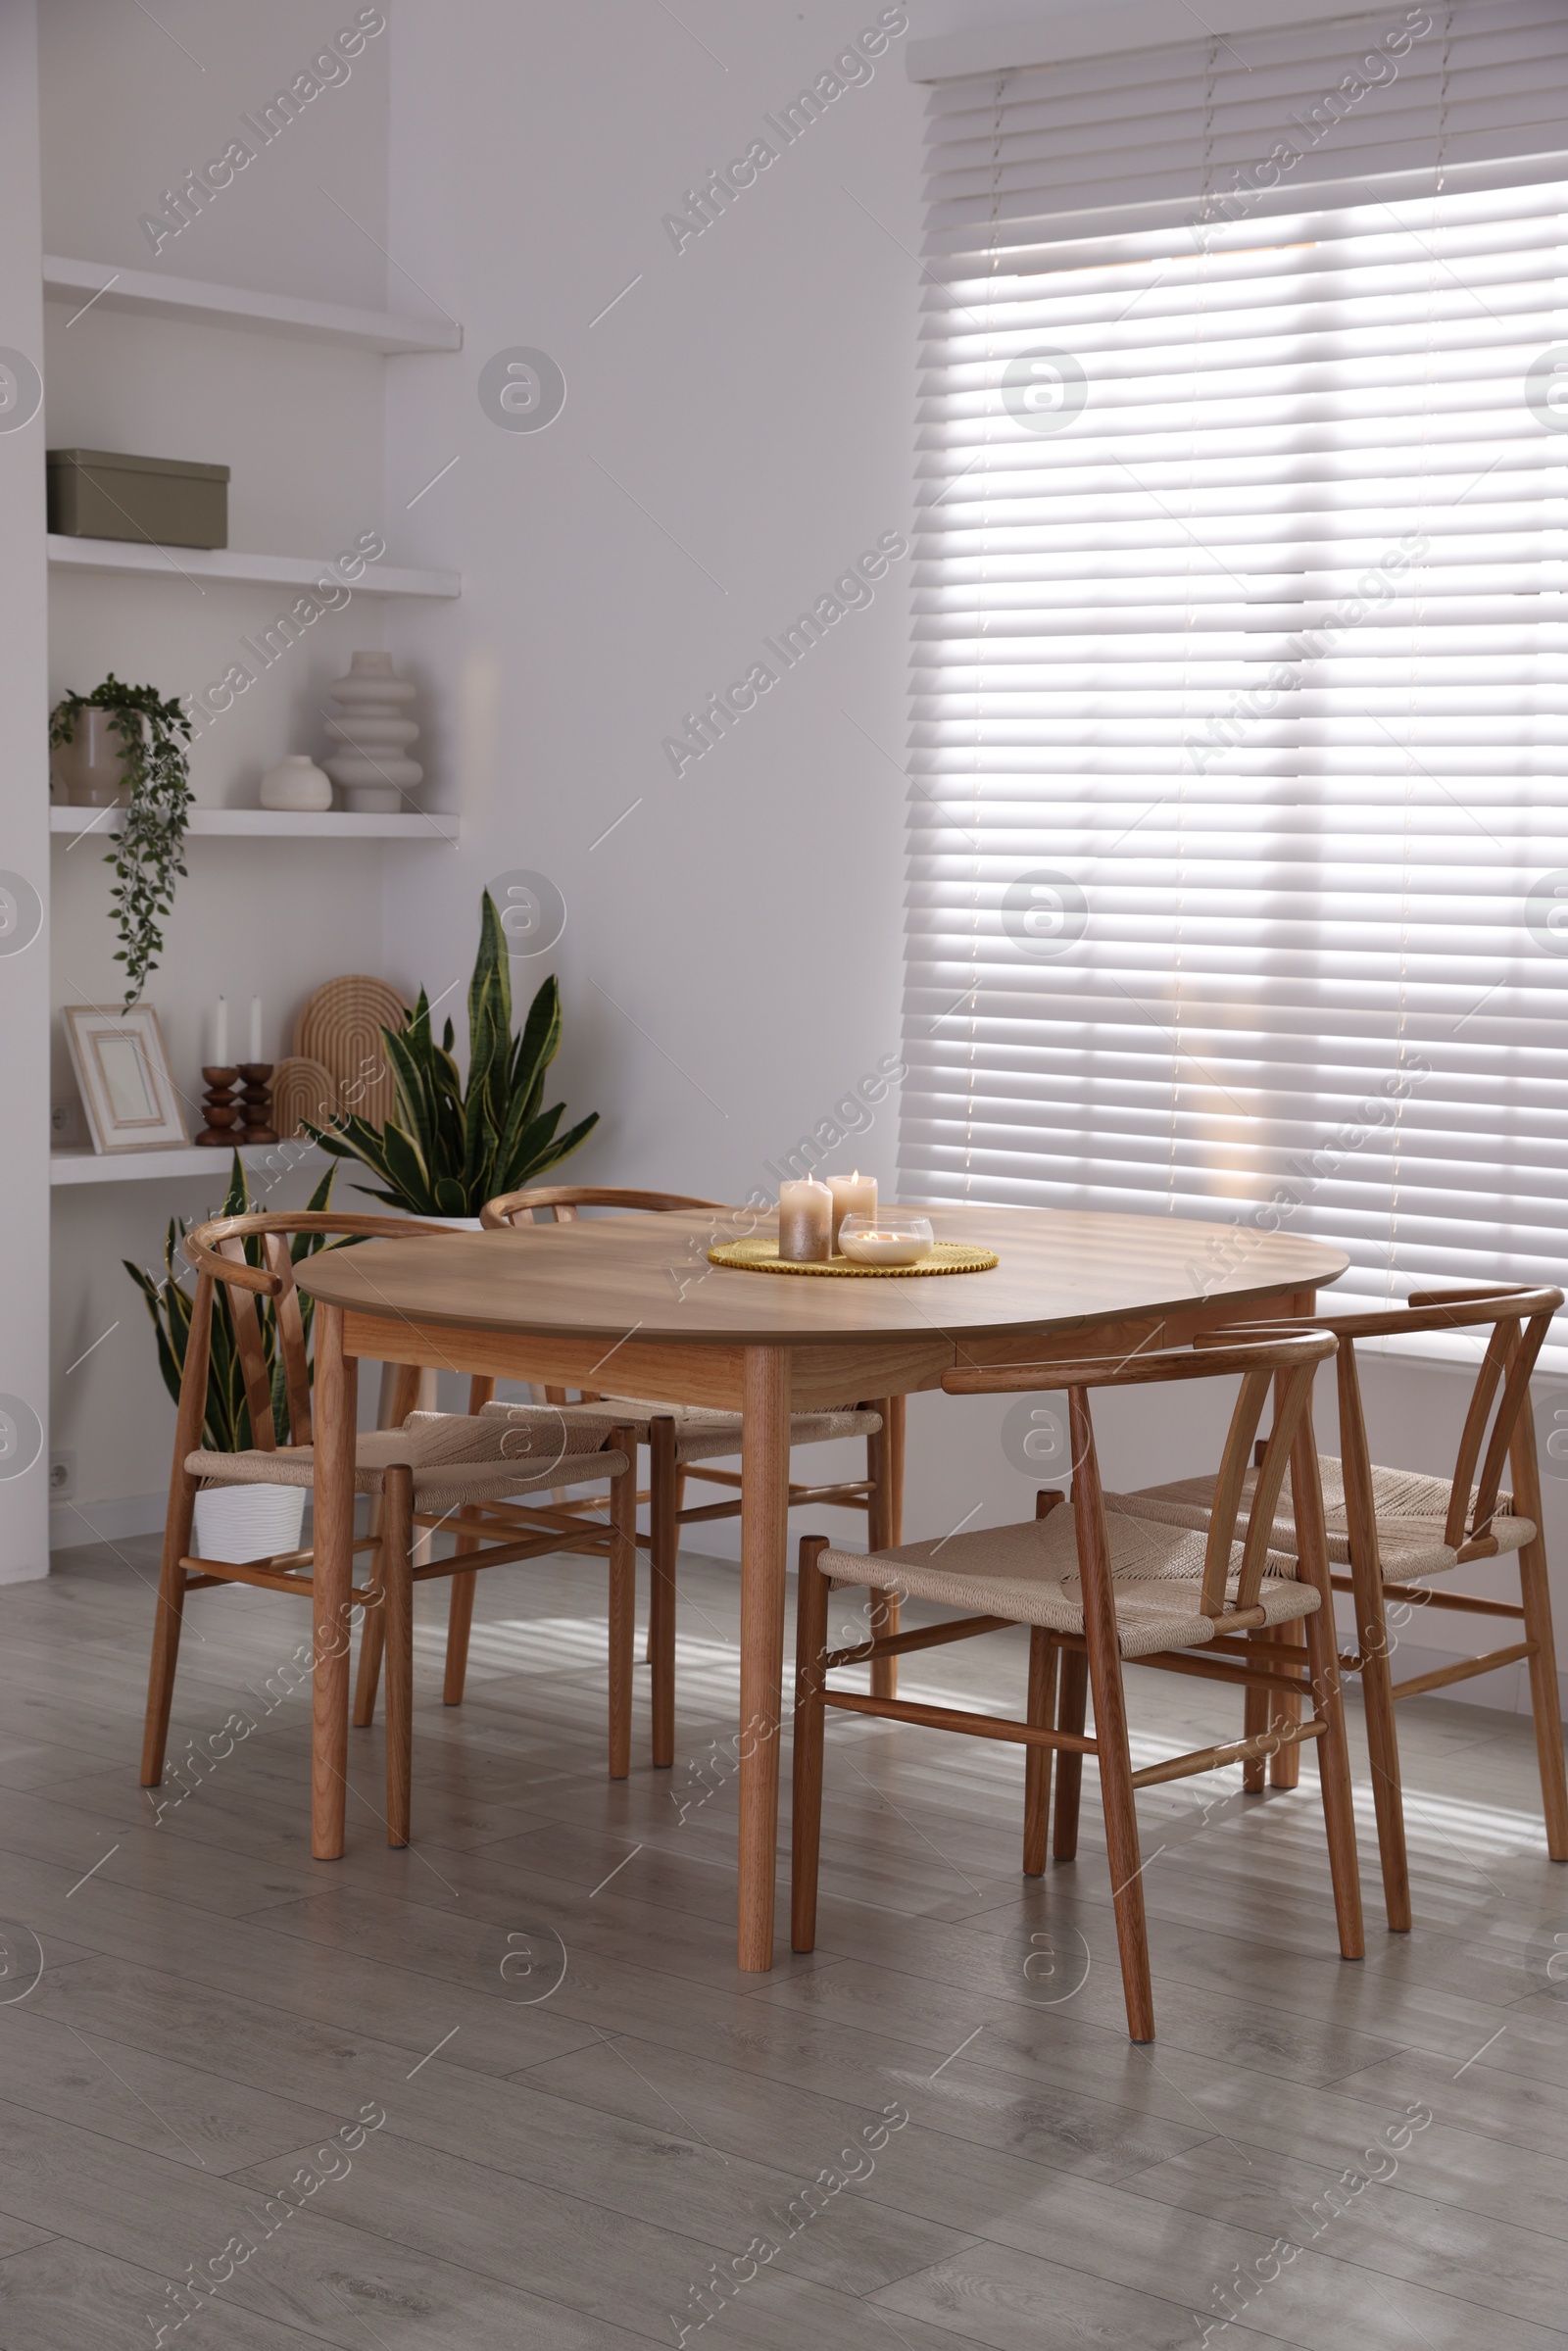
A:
{"points": [[447, 1147]]}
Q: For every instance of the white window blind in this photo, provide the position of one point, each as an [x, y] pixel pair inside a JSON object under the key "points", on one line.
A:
{"points": [[1239, 811]]}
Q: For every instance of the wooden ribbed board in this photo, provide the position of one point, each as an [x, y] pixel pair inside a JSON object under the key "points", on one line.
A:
{"points": [[341, 1028], [300, 1090]]}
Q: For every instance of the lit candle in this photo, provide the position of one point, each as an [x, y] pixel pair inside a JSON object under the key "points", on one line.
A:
{"points": [[256, 1033], [885, 1248], [805, 1222], [221, 1033], [852, 1196]]}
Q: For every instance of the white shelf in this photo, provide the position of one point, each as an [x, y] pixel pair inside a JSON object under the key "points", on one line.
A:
{"points": [[131, 1167], [160, 297], [226, 564], [276, 824]]}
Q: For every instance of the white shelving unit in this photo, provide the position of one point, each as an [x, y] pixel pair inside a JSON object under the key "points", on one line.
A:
{"points": [[98, 285], [157, 296], [228, 564], [133, 1167], [274, 824]]}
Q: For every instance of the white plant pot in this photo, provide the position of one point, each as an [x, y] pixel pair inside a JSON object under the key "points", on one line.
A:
{"points": [[242, 1522]]}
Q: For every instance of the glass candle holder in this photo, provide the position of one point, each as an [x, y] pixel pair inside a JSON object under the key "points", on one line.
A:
{"points": [[887, 1239]]}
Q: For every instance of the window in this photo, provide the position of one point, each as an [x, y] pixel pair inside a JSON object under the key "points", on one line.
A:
{"points": [[1239, 872]]}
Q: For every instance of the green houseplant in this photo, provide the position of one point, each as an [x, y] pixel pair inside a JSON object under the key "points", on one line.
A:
{"points": [[226, 1428], [234, 1521], [148, 853], [449, 1148]]}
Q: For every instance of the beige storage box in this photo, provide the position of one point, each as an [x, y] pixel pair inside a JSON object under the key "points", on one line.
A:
{"points": [[97, 494]]}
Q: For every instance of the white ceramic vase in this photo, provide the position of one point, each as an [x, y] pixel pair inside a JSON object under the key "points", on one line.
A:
{"points": [[242, 1523], [296, 783], [373, 769]]}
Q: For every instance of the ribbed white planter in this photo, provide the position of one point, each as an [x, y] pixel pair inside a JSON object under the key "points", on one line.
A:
{"points": [[242, 1522]]}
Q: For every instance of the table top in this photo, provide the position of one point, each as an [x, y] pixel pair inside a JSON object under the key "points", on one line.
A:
{"points": [[608, 1277]]}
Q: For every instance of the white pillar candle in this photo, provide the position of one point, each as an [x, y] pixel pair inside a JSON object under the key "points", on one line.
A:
{"points": [[805, 1222], [852, 1196], [255, 1031], [221, 1033]]}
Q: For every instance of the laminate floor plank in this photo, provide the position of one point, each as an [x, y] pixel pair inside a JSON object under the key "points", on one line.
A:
{"points": [[1374, 2221]]}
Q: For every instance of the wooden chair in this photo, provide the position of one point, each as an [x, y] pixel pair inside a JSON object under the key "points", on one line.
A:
{"points": [[417, 1474], [1100, 1586], [1391, 1530], [682, 1441]]}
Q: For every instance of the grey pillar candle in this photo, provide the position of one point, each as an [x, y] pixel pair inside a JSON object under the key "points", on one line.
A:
{"points": [[805, 1222]]}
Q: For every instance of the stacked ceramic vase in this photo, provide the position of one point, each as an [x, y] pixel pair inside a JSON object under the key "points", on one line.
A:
{"points": [[370, 762]]}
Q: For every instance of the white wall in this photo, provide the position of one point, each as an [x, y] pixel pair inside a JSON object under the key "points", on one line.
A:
{"points": [[23, 838], [736, 431]]}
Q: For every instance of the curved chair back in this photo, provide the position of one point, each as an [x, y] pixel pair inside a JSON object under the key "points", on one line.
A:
{"points": [[1288, 1364], [558, 1204], [1520, 1317], [252, 1258]]}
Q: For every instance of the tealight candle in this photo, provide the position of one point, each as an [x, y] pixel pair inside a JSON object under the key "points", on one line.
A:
{"points": [[885, 1248], [852, 1196], [805, 1222]]}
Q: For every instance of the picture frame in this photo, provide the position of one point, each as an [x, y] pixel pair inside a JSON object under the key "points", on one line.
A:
{"points": [[121, 1070]]}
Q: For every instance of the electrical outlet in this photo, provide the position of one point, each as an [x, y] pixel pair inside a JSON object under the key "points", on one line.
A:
{"points": [[64, 1125], [62, 1476]]}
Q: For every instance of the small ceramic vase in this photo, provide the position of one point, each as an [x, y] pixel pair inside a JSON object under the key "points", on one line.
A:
{"points": [[296, 783], [372, 769]]}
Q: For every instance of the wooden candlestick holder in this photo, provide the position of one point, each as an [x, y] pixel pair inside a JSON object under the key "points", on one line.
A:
{"points": [[220, 1109], [256, 1106]]}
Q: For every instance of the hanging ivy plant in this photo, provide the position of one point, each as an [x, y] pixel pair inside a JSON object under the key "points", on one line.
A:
{"points": [[148, 855]]}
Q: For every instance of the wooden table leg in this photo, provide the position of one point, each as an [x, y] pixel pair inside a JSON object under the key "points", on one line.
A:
{"points": [[764, 1519], [336, 1394]]}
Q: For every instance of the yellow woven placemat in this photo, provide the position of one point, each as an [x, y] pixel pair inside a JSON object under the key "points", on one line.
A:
{"points": [[942, 1256]]}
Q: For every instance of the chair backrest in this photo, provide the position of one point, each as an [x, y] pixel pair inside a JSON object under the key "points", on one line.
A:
{"points": [[1499, 1415], [559, 1204], [1288, 1365], [218, 1253]]}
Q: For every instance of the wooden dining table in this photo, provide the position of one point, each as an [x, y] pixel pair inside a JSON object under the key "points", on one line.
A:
{"points": [[630, 1305]]}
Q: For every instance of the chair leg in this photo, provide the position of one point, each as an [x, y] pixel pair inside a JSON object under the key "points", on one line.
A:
{"points": [[1545, 1703], [884, 1464], [167, 1622], [805, 1818], [622, 1601], [1254, 1721], [1536, 1596], [1103, 1641], [399, 1396], [663, 1544], [397, 1582], [459, 1610], [372, 1640], [680, 1504], [460, 1613], [1334, 1776], [1383, 1748], [1285, 1764], [1070, 1709], [1036, 1760]]}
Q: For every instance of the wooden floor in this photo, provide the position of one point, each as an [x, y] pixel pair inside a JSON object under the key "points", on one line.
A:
{"points": [[571, 2145]]}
